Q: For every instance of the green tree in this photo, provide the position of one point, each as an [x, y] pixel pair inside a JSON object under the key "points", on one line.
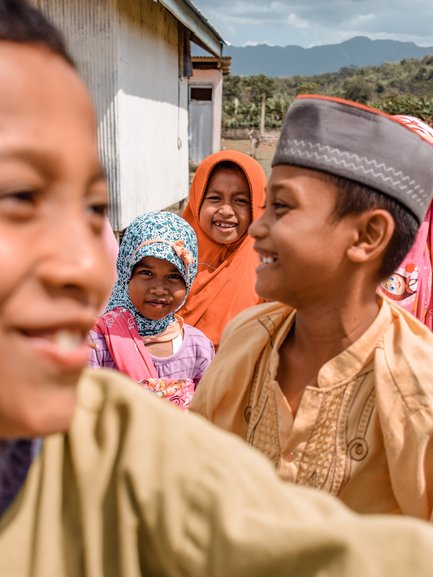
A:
{"points": [[357, 89]]}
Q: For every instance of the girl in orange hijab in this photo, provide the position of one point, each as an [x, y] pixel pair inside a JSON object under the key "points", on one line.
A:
{"points": [[226, 195]]}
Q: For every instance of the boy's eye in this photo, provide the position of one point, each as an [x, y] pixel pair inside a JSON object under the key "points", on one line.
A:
{"points": [[100, 209], [280, 206], [21, 196], [19, 204]]}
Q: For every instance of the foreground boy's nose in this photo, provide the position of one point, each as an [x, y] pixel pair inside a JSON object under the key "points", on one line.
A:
{"points": [[257, 229], [75, 261]]}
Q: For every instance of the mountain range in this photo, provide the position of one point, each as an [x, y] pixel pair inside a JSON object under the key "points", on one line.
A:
{"points": [[297, 61]]}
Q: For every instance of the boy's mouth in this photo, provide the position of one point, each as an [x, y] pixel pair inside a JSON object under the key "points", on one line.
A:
{"points": [[66, 347], [268, 259], [64, 339]]}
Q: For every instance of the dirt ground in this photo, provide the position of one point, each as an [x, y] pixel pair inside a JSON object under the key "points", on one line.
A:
{"points": [[264, 152]]}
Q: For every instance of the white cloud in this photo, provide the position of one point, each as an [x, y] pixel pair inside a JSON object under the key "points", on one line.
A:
{"points": [[313, 22]]}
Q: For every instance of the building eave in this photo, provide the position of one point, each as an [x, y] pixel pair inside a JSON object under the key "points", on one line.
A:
{"points": [[212, 63], [203, 33]]}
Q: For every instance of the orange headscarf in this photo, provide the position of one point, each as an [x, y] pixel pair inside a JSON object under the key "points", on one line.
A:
{"points": [[224, 284]]}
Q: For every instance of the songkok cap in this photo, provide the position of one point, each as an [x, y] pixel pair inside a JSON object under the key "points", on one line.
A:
{"points": [[359, 143]]}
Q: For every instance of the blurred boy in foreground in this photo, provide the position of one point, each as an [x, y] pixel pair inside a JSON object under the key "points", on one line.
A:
{"points": [[99, 478]]}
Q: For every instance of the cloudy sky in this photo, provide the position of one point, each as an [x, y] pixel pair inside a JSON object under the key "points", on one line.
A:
{"points": [[314, 22]]}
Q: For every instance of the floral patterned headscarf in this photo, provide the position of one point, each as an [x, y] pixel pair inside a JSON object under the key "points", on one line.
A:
{"points": [[410, 286], [162, 235]]}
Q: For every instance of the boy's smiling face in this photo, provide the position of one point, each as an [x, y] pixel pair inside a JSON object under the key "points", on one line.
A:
{"points": [[301, 247], [56, 271]]}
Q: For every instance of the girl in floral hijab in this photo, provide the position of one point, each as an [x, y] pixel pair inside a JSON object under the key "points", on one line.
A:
{"points": [[140, 333]]}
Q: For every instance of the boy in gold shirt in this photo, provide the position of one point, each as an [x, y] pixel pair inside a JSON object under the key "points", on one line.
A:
{"points": [[331, 382]]}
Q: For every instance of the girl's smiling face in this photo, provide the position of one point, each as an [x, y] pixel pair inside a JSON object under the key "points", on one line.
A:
{"points": [[225, 213], [156, 288]]}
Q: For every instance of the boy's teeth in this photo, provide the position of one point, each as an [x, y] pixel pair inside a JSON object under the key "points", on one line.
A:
{"points": [[67, 340], [268, 259]]}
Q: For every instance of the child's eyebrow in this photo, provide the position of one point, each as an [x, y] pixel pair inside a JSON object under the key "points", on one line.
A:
{"points": [[239, 192], [46, 162]]}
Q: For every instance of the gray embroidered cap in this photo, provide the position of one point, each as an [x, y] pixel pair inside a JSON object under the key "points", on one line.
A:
{"points": [[359, 143]]}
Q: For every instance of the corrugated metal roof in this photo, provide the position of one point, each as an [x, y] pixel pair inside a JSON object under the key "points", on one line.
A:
{"points": [[211, 62], [191, 17]]}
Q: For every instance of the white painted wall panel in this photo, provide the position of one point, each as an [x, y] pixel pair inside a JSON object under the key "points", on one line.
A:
{"points": [[152, 108], [127, 52], [90, 33]]}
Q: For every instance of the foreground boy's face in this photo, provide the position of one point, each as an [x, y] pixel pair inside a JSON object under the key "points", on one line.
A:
{"points": [[301, 247], [55, 270]]}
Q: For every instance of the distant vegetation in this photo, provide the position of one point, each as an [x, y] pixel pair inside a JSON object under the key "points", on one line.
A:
{"points": [[405, 87]]}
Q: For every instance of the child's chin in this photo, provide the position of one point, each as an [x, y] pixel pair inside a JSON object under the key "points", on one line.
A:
{"points": [[155, 314]]}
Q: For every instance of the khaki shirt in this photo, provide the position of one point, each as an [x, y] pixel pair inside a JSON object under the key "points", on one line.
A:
{"points": [[137, 487], [364, 433]]}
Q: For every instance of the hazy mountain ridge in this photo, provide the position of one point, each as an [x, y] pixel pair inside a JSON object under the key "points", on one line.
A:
{"points": [[297, 61]]}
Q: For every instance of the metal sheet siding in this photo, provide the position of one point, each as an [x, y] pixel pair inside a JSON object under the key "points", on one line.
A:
{"points": [[90, 33], [152, 106], [127, 52]]}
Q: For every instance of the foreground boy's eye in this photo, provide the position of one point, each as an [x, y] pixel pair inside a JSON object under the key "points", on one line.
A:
{"points": [[24, 196], [18, 204], [99, 209]]}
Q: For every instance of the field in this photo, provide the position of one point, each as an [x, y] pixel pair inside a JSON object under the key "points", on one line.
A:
{"points": [[264, 152]]}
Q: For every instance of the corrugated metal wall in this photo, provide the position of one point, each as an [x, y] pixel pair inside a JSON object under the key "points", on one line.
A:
{"points": [[89, 29], [128, 53], [153, 116]]}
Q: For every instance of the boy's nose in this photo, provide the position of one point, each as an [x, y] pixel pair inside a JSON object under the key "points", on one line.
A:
{"points": [[75, 261], [257, 229]]}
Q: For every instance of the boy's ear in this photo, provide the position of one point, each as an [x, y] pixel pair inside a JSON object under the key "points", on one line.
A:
{"points": [[375, 229]]}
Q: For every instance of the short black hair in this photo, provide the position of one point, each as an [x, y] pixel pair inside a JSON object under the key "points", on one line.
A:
{"points": [[22, 23], [355, 198]]}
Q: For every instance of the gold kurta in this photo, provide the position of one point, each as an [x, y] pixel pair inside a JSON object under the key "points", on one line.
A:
{"points": [[137, 487], [363, 433]]}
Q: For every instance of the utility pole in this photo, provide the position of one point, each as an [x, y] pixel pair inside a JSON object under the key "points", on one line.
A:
{"points": [[263, 115]]}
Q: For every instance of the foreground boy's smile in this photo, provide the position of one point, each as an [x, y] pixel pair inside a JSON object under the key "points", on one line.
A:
{"points": [[52, 203]]}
